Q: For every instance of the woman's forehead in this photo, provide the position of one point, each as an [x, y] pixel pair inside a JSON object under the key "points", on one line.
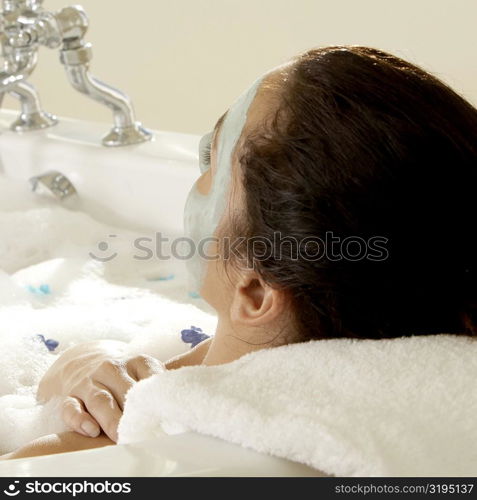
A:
{"points": [[267, 99]]}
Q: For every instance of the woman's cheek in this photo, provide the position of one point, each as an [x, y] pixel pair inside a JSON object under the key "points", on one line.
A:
{"points": [[204, 182]]}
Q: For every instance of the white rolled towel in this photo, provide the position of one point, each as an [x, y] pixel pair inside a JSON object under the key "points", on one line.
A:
{"points": [[398, 407]]}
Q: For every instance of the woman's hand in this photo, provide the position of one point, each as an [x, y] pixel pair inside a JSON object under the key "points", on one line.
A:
{"points": [[93, 379]]}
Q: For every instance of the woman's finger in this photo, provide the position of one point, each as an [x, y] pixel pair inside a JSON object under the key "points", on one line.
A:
{"points": [[103, 407], [116, 378], [141, 367], [77, 418]]}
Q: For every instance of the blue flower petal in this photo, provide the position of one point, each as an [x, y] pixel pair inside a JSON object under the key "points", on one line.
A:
{"points": [[193, 336], [45, 289], [49, 343], [42, 290], [169, 277]]}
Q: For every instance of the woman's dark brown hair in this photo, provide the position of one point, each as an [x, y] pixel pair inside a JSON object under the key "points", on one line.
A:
{"points": [[366, 145]]}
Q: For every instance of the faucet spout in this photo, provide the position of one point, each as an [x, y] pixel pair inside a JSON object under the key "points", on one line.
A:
{"points": [[81, 79], [14, 82], [76, 56], [20, 53], [32, 116]]}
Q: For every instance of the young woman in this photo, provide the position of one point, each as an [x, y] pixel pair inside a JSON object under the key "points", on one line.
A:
{"points": [[337, 198]]}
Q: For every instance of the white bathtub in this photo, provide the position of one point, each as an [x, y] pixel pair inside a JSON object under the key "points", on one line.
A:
{"points": [[141, 188]]}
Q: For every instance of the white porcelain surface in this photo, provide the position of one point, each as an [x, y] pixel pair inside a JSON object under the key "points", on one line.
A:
{"points": [[142, 187], [180, 455]]}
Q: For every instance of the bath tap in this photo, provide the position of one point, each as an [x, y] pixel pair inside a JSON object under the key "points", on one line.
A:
{"points": [[25, 26], [20, 53], [53, 183]]}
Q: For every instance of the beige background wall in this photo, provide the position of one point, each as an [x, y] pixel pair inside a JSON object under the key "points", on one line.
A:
{"points": [[184, 61]]}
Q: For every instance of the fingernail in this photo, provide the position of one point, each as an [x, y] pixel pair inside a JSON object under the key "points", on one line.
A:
{"points": [[90, 429]]}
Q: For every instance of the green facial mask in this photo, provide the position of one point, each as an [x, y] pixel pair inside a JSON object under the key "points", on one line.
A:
{"points": [[202, 213]]}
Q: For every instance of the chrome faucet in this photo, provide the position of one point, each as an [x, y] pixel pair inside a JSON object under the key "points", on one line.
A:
{"points": [[20, 54], [25, 26]]}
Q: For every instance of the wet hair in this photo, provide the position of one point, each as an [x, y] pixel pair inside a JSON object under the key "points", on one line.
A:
{"points": [[365, 146]]}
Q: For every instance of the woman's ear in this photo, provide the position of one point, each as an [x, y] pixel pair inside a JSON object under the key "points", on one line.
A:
{"points": [[254, 302]]}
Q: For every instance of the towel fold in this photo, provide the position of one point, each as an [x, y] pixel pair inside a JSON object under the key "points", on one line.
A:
{"points": [[397, 407]]}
